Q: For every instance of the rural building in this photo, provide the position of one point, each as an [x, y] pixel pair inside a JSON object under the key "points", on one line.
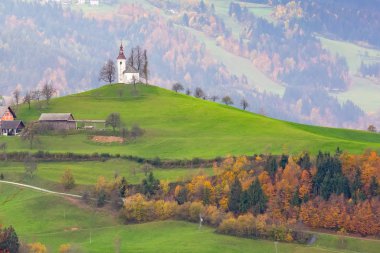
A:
{"points": [[58, 121], [125, 72], [8, 123]]}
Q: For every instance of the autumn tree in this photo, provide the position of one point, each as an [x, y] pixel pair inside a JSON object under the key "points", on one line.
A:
{"points": [[177, 87], [108, 72], [37, 247], [114, 121], [227, 100], [244, 104], [67, 179]]}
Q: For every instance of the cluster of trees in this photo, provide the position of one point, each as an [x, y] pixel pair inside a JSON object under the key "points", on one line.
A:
{"points": [[45, 93], [114, 120], [277, 191], [199, 93], [9, 241]]}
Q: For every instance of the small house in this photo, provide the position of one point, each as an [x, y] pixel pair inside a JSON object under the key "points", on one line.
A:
{"points": [[12, 127], [58, 121]]}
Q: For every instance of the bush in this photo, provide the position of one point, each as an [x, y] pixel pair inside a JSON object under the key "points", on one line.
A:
{"points": [[68, 180]]}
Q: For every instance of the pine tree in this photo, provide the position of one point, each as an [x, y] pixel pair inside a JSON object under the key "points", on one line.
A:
{"points": [[296, 200], [234, 196], [244, 202], [271, 166], [257, 198], [374, 186]]}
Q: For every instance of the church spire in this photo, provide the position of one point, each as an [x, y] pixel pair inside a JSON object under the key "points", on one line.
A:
{"points": [[121, 53]]}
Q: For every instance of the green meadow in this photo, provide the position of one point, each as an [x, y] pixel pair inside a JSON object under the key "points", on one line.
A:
{"points": [[179, 126], [52, 220]]}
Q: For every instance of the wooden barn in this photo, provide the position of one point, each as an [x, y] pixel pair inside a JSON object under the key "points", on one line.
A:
{"points": [[58, 121]]}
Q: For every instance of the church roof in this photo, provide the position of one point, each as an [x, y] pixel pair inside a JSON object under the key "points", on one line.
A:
{"points": [[130, 69], [121, 53]]}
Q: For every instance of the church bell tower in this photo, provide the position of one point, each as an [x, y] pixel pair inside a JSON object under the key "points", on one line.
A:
{"points": [[121, 64]]}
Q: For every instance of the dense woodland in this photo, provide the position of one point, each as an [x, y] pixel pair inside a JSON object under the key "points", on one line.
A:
{"points": [[265, 196]]}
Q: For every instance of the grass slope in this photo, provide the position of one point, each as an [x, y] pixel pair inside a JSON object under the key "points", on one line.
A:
{"points": [[179, 126], [53, 221]]}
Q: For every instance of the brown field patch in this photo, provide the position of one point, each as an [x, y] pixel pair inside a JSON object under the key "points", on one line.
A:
{"points": [[107, 139]]}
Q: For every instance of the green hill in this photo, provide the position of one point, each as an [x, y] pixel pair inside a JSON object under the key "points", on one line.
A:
{"points": [[180, 126]]}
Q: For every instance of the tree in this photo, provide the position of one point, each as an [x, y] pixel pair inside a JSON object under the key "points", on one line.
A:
{"points": [[16, 96], [68, 180], [113, 120], [199, 93], [30, 133], [372, 128], [374, 186], [30, 166], [188, 92], [271, 166], [227, 100], [9, 241], [101, 198], [177, 87], [244, 104], [136, 132], [36, 95], [108, 72], [146, 67], [48, 91], [214, 98], [37, 247], [235, 196], [150, 185], [256, 198], [28, 98]]}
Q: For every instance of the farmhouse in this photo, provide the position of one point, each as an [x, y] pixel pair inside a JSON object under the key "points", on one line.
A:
{"points": [[8, 123], [58, 121], [125, 72]]}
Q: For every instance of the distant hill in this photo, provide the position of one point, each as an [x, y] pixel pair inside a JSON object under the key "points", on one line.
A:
{"points": [[180, 126]]}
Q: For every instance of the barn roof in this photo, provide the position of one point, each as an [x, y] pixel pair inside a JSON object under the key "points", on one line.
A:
{"points": [[12, 124], [130, 69], [3, 109], [56, 117]]}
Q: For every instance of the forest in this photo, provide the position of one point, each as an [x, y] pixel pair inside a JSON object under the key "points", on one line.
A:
{"points": [[261, 196]]}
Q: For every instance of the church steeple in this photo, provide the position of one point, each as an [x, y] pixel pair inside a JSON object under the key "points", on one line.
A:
{"points": [[121, 53]]}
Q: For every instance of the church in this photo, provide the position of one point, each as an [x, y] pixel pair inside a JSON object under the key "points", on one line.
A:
{"points": [[126, 73]]}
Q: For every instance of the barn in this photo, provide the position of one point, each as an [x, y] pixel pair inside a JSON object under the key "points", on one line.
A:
{"points": [[8, 123], [58, 121]]}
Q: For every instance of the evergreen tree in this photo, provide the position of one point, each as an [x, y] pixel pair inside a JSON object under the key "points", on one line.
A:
{"points": [[235, 196], [374, 186], [244, 202], [271, 166], [284, 161], [123, 187], [304, 161], [257, 199], [181, 198], [296, 200], [150, 185], [9, 240]]}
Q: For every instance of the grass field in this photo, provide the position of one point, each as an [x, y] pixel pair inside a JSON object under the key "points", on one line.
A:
{"points": [[53, 221], [179, 126], [86, 174]]}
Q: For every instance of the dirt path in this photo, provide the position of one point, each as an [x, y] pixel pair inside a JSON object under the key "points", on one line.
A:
{"points": [[40, 189]]}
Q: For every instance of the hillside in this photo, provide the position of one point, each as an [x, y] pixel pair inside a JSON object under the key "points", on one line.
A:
{"points": [[180, 126]]}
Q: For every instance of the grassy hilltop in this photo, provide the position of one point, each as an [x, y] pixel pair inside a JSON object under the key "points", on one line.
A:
{"points": [[180, 126]]}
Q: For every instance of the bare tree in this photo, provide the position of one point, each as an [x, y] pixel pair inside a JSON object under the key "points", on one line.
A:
{"points": [[214, 98], [188, 92], [131, 58], [48, 91], [177, 87], [372, 128], [199, 93], [36, 95], [139, 59], [30, 166], [244, 104], [227, 100], [30, 133], [108, 72], [16, 96], [28, 98]]}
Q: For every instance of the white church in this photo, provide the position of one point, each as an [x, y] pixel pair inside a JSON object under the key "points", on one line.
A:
{"points": [[126, 73]]}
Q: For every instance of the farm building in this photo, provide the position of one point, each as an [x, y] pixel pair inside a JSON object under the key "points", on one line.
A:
{"points": [[8, 123], [58, 121]]}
